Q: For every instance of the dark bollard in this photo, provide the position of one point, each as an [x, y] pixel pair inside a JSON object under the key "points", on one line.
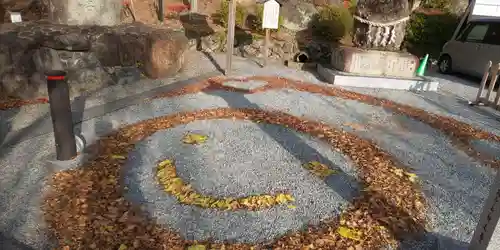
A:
{"points": [[161, 16], [60, 111]]}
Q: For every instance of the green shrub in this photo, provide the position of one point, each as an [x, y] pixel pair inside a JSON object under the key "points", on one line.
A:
{"points": [[222, 14], [428, 33], [332, 22], [437, 4], [257, 23]]}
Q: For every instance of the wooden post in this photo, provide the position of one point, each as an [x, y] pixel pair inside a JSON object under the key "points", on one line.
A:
{"points": [[488, 220], [266, 47], [161, 15], [60, 111], [270, 20], [230, 35], [483, 81], [494, 76]]}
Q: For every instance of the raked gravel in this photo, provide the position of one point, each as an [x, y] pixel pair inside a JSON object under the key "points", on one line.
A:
{"points": [[454, 184], [240, 158]]}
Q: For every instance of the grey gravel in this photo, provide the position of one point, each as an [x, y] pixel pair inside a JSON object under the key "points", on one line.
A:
{"points": [[240, 159], [487, 148], [455, 185], [245, 84]]}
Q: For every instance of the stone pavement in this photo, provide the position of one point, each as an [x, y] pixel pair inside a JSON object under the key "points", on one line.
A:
{"points": [[454, 184]]}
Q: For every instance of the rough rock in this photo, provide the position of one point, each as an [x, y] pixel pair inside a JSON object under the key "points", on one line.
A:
{"points": [[82, 50], [297, 17], [85, 12], [164, 54], [246, 46]]}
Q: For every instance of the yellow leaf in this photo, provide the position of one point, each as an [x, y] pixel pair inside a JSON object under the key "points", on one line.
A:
{"points": [[122, 247], [412, 177], [194, 138], [197, 247], [165, 163], [349, 233], [118, 157], [292, 206]]}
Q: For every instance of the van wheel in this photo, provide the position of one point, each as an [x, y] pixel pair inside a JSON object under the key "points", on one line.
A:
{"points": [[444, 64]]}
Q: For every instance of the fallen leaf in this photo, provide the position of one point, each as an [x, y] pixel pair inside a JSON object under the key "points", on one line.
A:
{"points": [[122, 247], [349, 233], [292, 206], [319, 169], [412, 177], [192, 138], [197, 247], [118, 157]]}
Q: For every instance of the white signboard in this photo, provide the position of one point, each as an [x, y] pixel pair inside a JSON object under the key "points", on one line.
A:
{"points": [[270, 18], [15, 17], [486, 8]]}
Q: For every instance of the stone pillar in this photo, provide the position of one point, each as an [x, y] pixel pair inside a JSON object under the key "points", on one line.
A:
{"points": [[381, 25], [85, 12], [487, 233]]}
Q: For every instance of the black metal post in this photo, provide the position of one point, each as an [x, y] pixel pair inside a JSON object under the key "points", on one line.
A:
{"points": [[161, 16], [60, 111]]}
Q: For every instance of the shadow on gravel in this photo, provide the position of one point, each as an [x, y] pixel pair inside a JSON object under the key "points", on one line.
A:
{"points": [[341, 182], [380, 210], [8, 243], [433, 242], [5, 122]]}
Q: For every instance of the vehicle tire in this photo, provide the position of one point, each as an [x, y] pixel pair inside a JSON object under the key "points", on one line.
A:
{"points": [[444, 64]]}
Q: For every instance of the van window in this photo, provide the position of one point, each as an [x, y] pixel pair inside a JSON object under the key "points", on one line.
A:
{"points": [[475, 33], [493, 34]]}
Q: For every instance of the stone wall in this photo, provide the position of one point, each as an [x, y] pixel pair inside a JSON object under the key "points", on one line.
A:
{"points": [[28, 49]]}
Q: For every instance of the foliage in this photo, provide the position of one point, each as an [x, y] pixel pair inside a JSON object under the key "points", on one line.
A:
{"points": [[350, 233], [222, 14], [173, 184], [257, 22], [332, 22], [194, 138], [320, 170], [437, 4], [428, 33]]}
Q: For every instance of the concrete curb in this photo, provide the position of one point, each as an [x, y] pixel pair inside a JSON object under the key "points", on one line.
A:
{"points": [[350, 80]]}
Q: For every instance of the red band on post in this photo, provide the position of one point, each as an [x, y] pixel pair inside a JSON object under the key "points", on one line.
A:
{"points": [[55, 77]]}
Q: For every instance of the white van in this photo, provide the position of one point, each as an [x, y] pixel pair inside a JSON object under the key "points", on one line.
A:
{"points": [[475, 41], [471, 49]]}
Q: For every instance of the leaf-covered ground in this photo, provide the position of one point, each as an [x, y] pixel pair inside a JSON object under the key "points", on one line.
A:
{"points": [[86, 208]]}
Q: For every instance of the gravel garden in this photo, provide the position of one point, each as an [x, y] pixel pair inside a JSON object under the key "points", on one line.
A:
{"points": [[274, 163]]}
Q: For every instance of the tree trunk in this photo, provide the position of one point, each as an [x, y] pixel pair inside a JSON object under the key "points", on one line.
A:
{"points": [[85, 12], [380, 25]]}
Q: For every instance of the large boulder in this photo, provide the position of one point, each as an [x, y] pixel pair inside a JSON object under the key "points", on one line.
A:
{"points": [[85, 12], [26, 47], [297, 16]]}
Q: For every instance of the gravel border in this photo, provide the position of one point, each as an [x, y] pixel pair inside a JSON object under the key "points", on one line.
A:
{"points": [[240, 158]]}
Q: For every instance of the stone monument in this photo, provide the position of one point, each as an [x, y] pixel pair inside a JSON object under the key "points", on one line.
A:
{"points": [[85, 12], [379, 30]]}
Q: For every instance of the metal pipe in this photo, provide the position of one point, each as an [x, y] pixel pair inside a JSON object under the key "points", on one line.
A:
{"points": [[60, 111], [302, 57], [161, 16]]}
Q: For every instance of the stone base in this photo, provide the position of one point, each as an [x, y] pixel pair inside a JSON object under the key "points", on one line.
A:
{"points": [[84, 52], [363, 81], [373, 62]]}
